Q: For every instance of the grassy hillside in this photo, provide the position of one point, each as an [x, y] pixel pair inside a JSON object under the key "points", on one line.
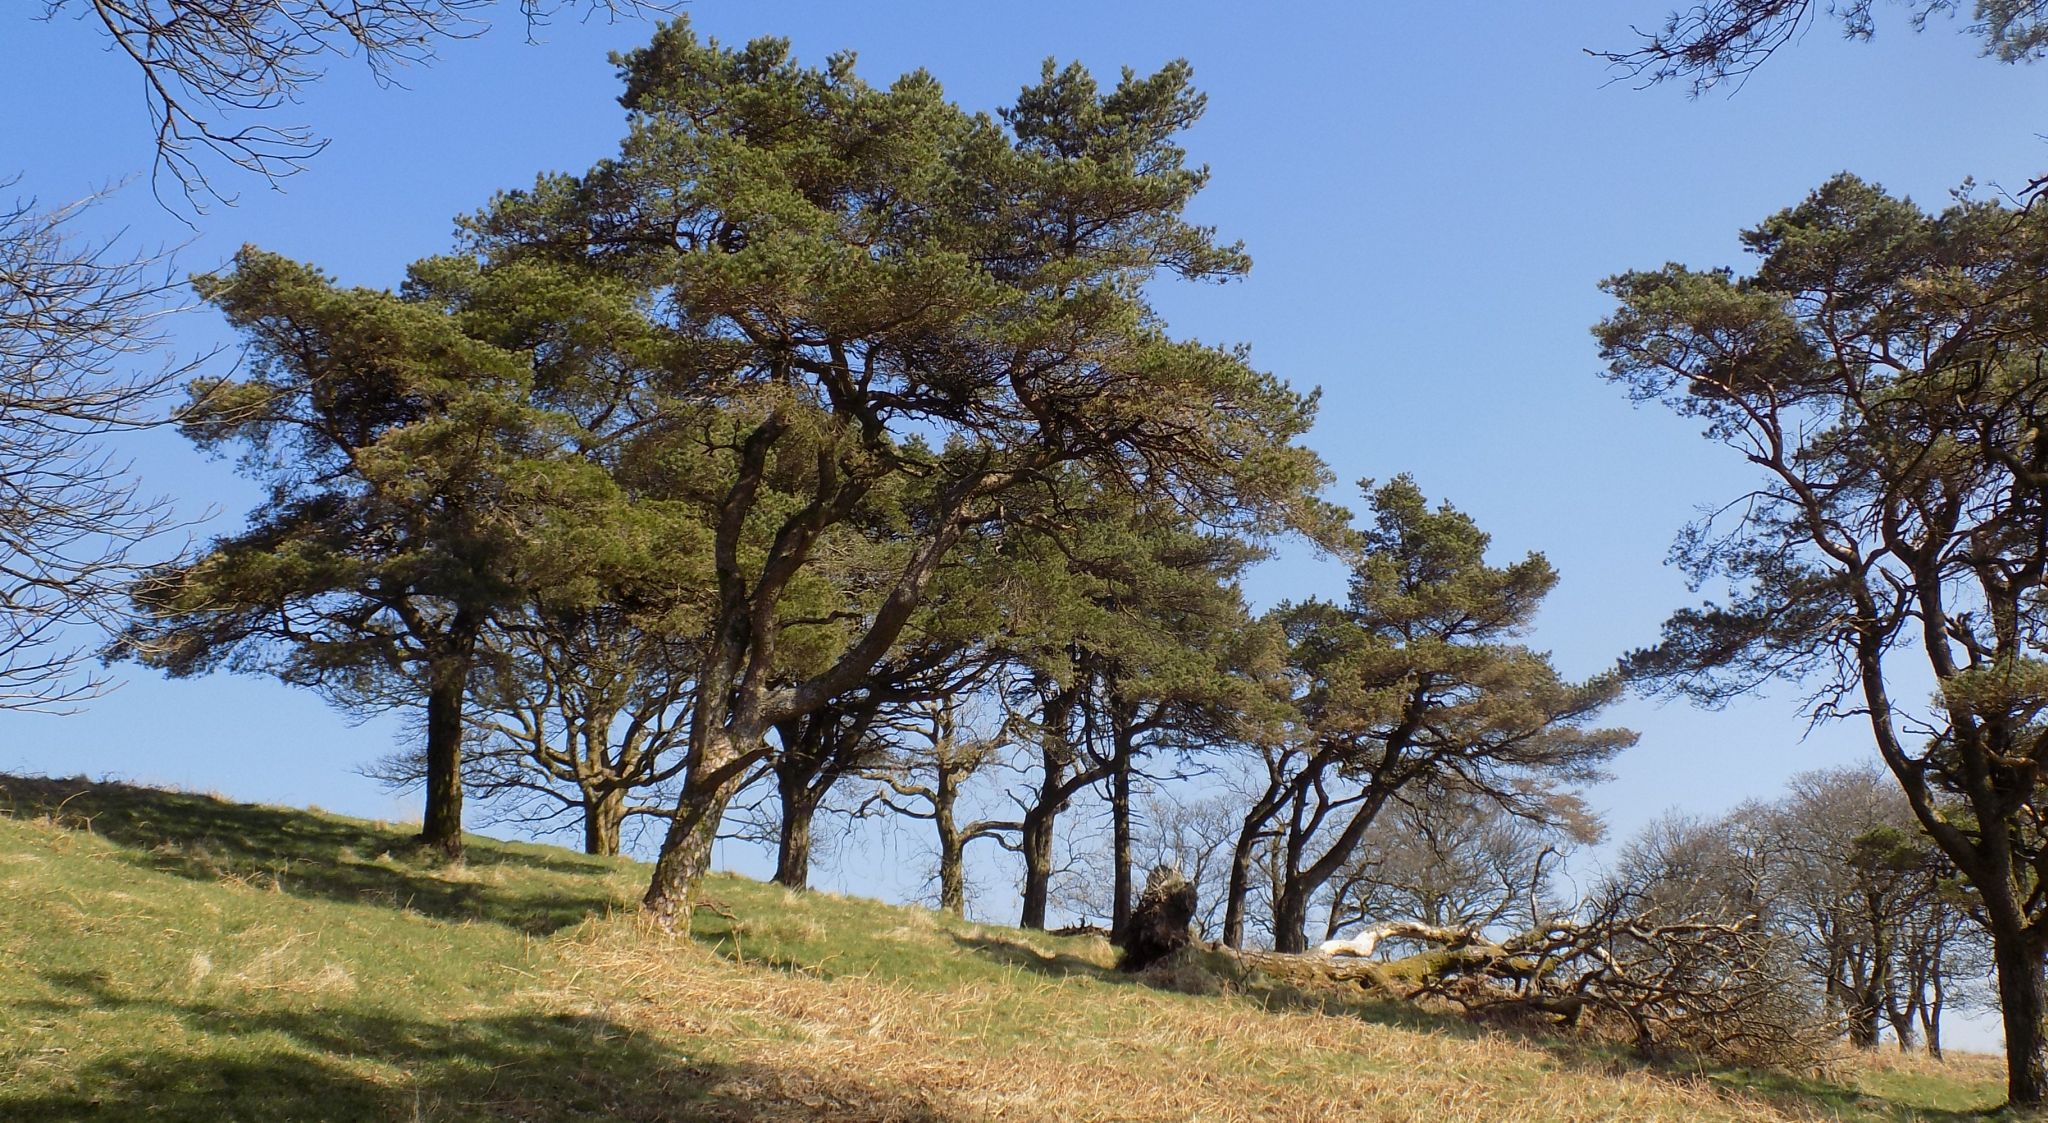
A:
{"points": [[175, 957]]}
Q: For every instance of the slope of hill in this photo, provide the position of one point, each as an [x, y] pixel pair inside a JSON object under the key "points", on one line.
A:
{"points": [[167, 956]]}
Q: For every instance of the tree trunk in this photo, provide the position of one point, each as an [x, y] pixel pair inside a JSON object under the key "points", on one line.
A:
{"points": [[812, 746], [1300, 880], [1035, 841], [1240, 886], [685, 859], [1863, 1023], [1036, 845], [1878, 998], [2023, 1003], [793, 841], [1290, 918], [1253, 825], [1291, 888], [952, 880], [441, 823], [1902, 1023], [1120, 819], [604, 813], [692, 829], [1930, 1007], [952, 863]]}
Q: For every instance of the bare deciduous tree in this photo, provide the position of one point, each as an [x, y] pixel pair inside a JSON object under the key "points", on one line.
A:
{"points": [[1450, 857], [936, 751], [1193, 834], [577, 716], [78, 320]]}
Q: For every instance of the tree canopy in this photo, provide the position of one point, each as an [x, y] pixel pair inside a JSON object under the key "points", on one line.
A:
{"points": [[1416, 681], [418, 487], [887, 296]]}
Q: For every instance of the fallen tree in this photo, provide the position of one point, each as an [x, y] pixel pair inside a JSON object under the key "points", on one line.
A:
{"points": [[1715, 988]]}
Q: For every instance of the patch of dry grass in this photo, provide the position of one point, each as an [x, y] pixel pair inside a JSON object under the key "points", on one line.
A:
{"points": [[1031, 1047]]}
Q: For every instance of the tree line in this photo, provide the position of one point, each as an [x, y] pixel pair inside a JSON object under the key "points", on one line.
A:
{"points": [[819, 406], [824, 443]]}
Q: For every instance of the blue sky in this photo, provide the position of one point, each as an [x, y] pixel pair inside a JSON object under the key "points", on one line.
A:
{"points": [[1430, 200]]}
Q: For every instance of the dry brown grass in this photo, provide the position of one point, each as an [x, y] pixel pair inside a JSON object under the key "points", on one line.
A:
{"points": [[1082, 1048]]}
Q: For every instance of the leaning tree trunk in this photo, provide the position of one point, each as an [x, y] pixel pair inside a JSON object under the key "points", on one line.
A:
{"points": [[2023, 1004], [1251, 829], [712, 779], [1240, 886], [1299, 883]]}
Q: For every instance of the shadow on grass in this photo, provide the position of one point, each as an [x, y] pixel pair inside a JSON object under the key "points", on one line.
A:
{"points": [[1842, 1098], [345, 1064], [1227, 975], [306, 854], [1019, 953]]}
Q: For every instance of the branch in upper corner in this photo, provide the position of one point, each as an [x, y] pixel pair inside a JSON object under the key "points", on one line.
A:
{"points": [[209, 65], [1715, 41]]}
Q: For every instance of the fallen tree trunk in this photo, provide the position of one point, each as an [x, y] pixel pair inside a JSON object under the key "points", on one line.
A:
{"points": [[1368, 941], [1710, 987], [1311, 969]]}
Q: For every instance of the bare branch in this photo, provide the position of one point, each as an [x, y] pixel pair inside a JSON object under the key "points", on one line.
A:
{"points": [[1716, 41], [76, 318], [209, 65]]}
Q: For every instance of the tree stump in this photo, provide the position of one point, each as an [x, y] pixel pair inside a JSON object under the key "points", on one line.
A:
{"points": [[1159, 925]]}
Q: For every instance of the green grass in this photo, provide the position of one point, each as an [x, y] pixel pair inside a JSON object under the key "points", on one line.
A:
{"points": [[166, 956]]}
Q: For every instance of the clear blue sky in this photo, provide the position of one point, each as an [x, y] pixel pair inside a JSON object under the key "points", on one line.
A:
{"points": [[1430, 192]]}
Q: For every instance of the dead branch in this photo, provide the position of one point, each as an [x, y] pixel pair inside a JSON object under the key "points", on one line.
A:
{"points": [[1712, 987]]}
